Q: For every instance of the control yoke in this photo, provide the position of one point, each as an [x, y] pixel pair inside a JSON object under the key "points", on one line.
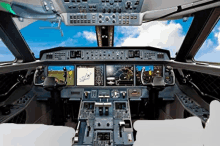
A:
{"points": [[157, 81], [49, 83]]}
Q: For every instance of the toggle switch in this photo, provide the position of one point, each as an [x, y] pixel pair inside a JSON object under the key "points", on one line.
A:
{"points": [[100, 111], [123, 94], [86, 94], [106, 111]]}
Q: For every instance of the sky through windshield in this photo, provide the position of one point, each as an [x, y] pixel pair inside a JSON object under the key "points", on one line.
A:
{"points": [[162, 34]]}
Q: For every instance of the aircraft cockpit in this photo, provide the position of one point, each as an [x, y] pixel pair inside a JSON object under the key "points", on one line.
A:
{"points": [[102, 89]]}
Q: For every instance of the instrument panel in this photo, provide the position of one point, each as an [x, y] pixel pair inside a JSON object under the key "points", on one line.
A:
{"points": [[105, 81], [110, 75], [107, 67]]}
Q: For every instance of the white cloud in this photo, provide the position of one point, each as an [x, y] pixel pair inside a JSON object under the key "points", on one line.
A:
{"points": [[90, 36], [217, 35], [156, 34], [79, 34], [210, 56], [210, 51], [68, 42]]}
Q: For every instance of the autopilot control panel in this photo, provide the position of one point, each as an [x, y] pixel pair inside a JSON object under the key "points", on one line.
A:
{"points": [[105, 54]]}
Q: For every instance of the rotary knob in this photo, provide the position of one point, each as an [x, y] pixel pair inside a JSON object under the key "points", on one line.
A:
{"points": [[107, 18], [128, 5]]}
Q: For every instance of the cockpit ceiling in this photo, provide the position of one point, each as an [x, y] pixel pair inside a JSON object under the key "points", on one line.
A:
{"points": [[108, 12], [31, 2], [148, 5]]}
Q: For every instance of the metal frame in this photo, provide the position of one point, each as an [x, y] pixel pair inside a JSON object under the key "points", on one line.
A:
{"points": [[105, 36], [203, 23], [13, 39]]}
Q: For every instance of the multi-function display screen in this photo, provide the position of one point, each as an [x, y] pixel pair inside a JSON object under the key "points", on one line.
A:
{"points": [[86, 76], [90, 75], [149, 72], [58, 72], [116, 75], [119, 75]]}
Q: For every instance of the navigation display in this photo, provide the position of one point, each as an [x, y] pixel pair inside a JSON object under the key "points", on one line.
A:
{"points": [[119, 75], [89, 75], [58, 72], [150, 71]]}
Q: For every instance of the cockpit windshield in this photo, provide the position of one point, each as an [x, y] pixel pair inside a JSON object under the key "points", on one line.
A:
{"points": [[162, 34]]}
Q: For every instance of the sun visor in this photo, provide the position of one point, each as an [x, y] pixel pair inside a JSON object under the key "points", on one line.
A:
{"points": [[32, 11]]}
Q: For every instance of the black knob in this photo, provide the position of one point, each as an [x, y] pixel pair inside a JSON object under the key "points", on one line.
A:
{"points": [[109, 10], [113, 16], [103, 11], [100, 16], [119, 10], [108, 124], [137, 3], [129, 4], [113, 21], [107, 19], [99, 124], [100, 21]]}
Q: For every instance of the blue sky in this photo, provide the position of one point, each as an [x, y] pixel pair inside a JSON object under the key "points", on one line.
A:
{"points": [[60, 68], [163, 34]]}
